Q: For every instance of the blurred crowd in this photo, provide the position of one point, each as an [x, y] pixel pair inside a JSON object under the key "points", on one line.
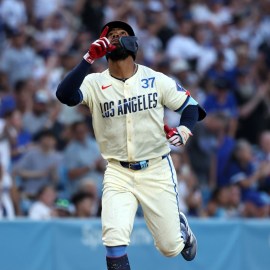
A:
{"points": [[217, 49]]}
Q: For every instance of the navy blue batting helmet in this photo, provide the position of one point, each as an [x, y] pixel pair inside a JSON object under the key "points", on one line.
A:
{"points": [[119, 24], [129, 43]]}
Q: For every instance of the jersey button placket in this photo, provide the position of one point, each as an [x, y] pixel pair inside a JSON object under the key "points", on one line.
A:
{"points": [[129, 125], [129, 138]]}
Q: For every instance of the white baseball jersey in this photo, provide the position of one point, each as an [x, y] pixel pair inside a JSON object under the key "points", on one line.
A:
{"points": [[128, 116]]}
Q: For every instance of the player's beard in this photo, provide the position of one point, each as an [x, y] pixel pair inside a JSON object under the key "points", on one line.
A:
{"points": [[119, 53]]}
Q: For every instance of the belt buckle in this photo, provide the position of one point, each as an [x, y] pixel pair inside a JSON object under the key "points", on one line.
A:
{"points": [[130, 164]]}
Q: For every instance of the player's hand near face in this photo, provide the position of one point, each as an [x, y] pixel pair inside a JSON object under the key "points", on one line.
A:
{"points": [[177, 136], [99, 47]]}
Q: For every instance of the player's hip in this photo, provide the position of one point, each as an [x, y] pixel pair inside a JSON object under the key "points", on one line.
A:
{"points": [[159, 171], [140, 165]]}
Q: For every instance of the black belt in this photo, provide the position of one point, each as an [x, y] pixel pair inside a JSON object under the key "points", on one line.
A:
{"points": [[138, 165]]}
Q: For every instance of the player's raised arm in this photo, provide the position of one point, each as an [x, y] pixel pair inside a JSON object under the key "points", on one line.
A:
{"points": [[68, 91]]}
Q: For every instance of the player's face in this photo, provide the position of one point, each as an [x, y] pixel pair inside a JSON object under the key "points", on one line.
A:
{"points": [[119, 53], [114, 35]]}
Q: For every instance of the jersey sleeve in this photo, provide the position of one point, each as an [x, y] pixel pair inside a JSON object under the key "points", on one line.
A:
{"points": [[87, 90], [174, 96]]}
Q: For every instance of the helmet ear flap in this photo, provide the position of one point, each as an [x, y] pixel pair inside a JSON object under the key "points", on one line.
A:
{"points": [[130, 44]]}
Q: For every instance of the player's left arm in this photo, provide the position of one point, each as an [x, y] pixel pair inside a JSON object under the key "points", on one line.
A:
{"points": [[179, 99], [179, 135]]}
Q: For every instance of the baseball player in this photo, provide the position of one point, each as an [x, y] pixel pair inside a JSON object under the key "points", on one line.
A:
{"points": [[127, 105]]}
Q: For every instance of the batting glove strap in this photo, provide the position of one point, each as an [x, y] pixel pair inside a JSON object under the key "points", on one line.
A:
{"points": [[88, 58]]}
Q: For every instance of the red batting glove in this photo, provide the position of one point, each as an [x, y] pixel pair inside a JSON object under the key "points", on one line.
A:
{"points": [[170, 131], [177, 136], [99, 47], [173, 136]]}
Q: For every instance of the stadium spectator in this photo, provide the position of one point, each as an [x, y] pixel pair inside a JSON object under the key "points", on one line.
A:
{"points": [[40, 116], [177, 45], [13, 13], [42, 207], [54, 123], [8, 195], [82, 158], [88, 185], [5, 154], [219, 203], [241, 171], [92, 15], [54, 36], [180, 71], [42, 9], [39, 166], [62, 208], [218, 73], [224, 147], [6, 97], [203, 146], [18, 59], [152, 48], [190, 196], [62, 62], [263, 158], [19, 139], [251, 103], [23, 91], [212, 12], [223, 100], [83, 202], [235, 206]]}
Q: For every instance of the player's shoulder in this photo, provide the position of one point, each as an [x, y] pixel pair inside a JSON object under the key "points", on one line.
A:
{"points": [[149, 71], [97, 75]]}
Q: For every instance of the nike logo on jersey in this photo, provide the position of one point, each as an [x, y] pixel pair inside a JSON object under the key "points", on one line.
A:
{"points": [[105, 87]]}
